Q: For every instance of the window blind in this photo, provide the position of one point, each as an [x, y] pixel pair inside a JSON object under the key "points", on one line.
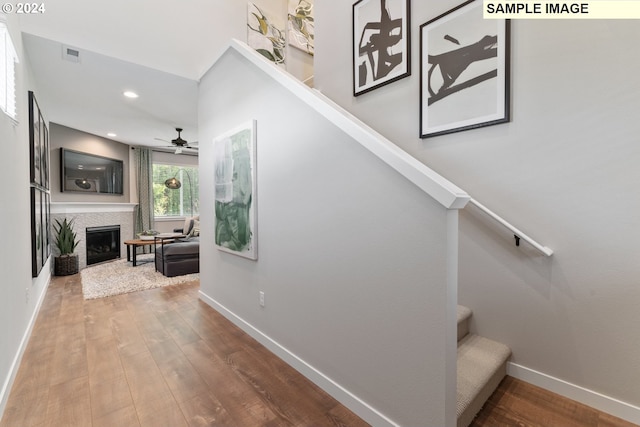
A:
{"points": [[8, 59]]}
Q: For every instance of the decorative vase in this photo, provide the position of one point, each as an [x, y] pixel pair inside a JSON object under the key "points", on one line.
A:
{"points": [[66, 265]]}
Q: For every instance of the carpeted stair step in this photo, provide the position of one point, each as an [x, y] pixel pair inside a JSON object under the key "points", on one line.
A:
{"points": [[482, 364], [464, 314]]}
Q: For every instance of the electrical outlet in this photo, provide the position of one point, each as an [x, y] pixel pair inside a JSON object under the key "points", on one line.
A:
{"points": [[26, 294], [261, 298]]}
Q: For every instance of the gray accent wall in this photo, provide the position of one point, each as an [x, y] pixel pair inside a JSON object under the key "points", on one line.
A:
{"points": [[564, 170], [66, 137]]}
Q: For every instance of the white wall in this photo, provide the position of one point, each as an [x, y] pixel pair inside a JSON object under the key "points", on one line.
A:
{"points": [[20, 295], [352, 256], [565, 170]]}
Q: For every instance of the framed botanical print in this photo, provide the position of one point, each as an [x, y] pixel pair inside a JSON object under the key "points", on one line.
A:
{"points": [[266, 37], [464, 71], [381, 43], [301, 25], [235, 191]]}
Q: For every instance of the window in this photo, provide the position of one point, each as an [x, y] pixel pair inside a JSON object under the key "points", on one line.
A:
{"points": [[8, 58], [182, 201]]}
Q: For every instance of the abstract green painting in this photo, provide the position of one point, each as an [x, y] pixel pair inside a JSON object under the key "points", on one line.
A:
{"points": [[235, 191]]}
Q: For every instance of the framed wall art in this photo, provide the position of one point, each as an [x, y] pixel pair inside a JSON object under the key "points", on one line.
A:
{"points": [[381, 43], [35, 140], [40, 193], [301, 25], [38, 145], [235, 191], [265, 36], [37, 232], [44, 154], [464, 71], [46, 223]]}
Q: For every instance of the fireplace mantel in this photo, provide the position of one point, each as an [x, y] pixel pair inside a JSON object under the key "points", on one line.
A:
{"points": [[90, 207]]}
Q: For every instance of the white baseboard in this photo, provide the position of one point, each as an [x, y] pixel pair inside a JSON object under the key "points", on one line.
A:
{"points": [[8, 383], [342, 395], [585, 396]]}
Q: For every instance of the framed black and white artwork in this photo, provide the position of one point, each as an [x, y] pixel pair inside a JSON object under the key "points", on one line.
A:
{"points": [[37, 246], [381, 43], [35, 140], [464, 71]]}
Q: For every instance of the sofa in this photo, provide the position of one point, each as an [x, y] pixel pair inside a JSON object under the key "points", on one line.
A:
{"points": [[182, 256]]}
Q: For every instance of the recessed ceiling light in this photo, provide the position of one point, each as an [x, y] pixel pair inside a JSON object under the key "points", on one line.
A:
{"points": [[112, 135], [130, 94]]}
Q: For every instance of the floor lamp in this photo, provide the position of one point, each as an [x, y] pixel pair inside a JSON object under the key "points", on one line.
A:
{"points": [[174, 184]]}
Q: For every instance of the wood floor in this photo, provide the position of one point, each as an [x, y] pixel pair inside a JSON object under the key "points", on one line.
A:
{"points": [[155, 358], [519, 404], [162, 358]]}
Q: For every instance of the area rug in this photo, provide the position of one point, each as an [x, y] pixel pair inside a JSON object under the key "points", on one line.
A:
{"points": [[119, 277]]}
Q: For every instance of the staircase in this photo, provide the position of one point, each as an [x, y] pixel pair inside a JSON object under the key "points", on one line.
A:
{"points": [[482, 364]]}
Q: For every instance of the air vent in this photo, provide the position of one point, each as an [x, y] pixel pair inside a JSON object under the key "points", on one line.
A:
{"points": [[70, 54]]}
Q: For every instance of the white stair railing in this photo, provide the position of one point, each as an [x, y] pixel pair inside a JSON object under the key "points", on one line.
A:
{"points": [[517, 233]]}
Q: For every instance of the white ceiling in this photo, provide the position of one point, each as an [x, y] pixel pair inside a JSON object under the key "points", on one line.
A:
{"points": [[159, 49]]}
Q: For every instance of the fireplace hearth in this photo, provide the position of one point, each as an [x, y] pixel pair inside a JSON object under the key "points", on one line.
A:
{"points": [[103, 243]]}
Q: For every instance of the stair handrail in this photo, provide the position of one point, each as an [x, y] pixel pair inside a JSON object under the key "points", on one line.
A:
{"points": [[425, 178], [517, 233], [429, 181]]}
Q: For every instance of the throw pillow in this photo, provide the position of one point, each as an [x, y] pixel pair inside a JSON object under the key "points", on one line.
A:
{"points": [[188, 225], [195, 230]]}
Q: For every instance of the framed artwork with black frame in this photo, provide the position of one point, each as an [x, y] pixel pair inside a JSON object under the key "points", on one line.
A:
{"points": [[37, 246], [381, 43], [46, 222], [40, 228], [464, 71], [35, 140], [39, 187], [44, 153]]}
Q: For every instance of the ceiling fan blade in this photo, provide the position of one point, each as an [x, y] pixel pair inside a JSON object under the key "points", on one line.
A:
{"points": [[179, 144]]}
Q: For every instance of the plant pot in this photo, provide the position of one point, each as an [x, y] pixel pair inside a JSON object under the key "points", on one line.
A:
{"points": [[66, 265]]}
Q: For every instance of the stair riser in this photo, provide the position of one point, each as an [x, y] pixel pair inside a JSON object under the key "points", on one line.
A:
{"points": [[463, 329], [465, 419], [464, 316]]}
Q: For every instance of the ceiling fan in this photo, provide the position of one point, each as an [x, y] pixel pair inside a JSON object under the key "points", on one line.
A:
{"points": [[180, 143]]}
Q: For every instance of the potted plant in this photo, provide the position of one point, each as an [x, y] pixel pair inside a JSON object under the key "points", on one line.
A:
{"points": [[65, 240]]}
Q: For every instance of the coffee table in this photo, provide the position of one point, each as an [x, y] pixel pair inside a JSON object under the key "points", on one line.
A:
{"points": [[135, 243]]}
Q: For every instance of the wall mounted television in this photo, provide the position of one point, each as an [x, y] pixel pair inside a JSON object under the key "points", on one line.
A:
{"points": [[89, 173]]}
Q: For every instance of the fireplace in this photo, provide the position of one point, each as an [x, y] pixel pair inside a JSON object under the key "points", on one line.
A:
{"points": [[103, 243]]}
